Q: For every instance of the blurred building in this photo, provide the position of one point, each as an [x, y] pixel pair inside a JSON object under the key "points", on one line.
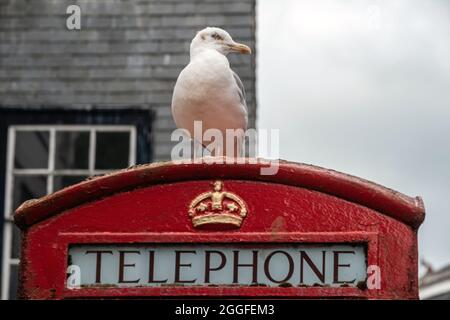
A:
{"points": [[435, 284], [76, 103]]}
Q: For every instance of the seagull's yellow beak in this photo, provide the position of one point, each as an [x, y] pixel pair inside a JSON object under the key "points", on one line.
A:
{"points": [[241, 48]]}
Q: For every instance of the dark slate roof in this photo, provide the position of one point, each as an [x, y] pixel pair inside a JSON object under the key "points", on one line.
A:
{"points": [[128, 52]]}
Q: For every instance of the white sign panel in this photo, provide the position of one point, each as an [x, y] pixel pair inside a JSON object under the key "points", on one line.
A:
{"points": [[202, 265]]}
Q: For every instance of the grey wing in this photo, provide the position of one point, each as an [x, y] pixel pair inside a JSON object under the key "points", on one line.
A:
{"points": [[241, 90]]}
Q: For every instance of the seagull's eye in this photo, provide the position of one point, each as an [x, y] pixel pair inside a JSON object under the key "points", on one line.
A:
{"points": [[217, 36]]}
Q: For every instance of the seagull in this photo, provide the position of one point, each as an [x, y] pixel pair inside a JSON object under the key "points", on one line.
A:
{"points": [[208, 90]]}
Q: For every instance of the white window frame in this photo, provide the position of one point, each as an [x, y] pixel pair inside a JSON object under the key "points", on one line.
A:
{"points": [[50, 172]]}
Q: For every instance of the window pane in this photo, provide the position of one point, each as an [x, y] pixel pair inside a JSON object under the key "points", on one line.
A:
{"points": [[31, 150], [13, 282], [28, 187], [15, 242], [112, 150], [60, 182], [72, 150], [15, 253]]}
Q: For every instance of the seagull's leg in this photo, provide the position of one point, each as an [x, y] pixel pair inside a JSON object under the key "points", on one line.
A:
{"points": [[240, 152], [200, 150], [233, 145]]}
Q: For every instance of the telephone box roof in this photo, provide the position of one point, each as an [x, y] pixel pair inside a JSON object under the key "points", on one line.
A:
{"points": [[391, 203]]}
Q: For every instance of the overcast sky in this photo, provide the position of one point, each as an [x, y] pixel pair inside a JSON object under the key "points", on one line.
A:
{"points": [[363, 87]]}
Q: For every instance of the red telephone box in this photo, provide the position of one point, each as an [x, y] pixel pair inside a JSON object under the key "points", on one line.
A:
{"points": [[197, 229]]}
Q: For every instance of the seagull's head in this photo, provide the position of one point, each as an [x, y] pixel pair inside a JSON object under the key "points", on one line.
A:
{"points": [[219, 40]]}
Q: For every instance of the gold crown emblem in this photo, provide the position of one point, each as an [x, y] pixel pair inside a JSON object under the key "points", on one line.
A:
{"points": [[217, 209]]}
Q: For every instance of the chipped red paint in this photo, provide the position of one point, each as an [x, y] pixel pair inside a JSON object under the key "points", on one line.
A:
{"points": [[149, 204]]}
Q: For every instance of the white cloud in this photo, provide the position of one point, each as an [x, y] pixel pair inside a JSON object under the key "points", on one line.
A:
{"points": [[370, 98]]}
